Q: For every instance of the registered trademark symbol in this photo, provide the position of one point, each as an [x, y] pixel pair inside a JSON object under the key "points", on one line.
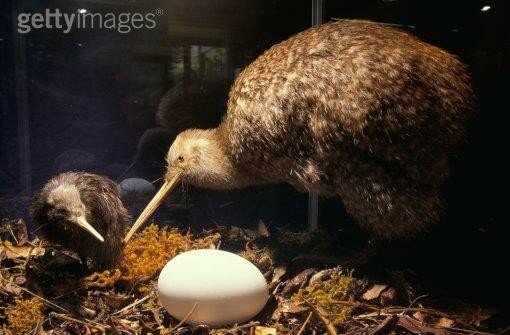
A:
{"points": [[159, 11]]}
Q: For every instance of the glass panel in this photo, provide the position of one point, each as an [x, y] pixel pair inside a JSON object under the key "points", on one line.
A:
{"points": [[108, 97], [110, 101], [479, 35]]}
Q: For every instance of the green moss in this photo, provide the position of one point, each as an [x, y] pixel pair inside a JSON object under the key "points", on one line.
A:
{"points": [[326, 293]]}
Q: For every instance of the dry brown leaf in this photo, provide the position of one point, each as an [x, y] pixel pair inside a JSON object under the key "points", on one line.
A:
{"points": [[374, 292], [416, 327], [20, 280], [321, 314], [292, 307], [14, 231], [39, 330], [444, 323], [115, 300], [388, 297], [3, 254], [262, 229], [20, 252], [481, 315], [259, 330], [10, 289], [322, 275], [419, 316], [278, 273], [297, 282]]}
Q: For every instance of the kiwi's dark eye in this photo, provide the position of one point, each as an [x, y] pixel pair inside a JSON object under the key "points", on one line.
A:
{"points": [[180, 159], [60, 213]]}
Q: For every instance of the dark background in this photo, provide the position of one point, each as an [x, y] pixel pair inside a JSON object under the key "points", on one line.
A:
{"points": [[89, 100]]}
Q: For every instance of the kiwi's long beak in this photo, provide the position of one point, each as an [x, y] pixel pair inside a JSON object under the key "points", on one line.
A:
{"points": [[82, 222], [158, 199]]}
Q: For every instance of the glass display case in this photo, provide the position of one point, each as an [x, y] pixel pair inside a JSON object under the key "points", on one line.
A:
{"points": [[111, 100], [105, 86]]}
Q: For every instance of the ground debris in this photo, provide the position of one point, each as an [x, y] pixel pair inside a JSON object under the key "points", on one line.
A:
{"points": [[42, 290], [23, 315], [146, 254]]}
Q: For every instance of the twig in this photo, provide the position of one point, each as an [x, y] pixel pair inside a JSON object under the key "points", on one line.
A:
{"points": [[28, 257], [67, 293], [185, 318], [62, 316], [431, 312], [156, 180], [37, 328], [505, 331], [378, 311], [119, 322], [320, 314], [304, 324], [49, 303], [369, 316], [134, 304], [12, 233], [113, 329], [356, 304], [91, 324], [156, 316], [236, 327], [386, 326], [412, 303]]}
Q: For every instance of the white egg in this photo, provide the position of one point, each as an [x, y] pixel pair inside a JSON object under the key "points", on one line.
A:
{"points": [[225, 287]]}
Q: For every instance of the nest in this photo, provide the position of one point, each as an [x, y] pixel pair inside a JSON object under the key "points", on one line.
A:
{"points": [[42, 290]]}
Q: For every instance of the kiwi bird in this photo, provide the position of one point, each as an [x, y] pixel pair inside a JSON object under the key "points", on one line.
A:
{"points": [[353, 109], [82, 212]]}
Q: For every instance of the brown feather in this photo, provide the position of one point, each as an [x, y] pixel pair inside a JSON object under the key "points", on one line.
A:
{"points": [[355, 109], [103, 210]]}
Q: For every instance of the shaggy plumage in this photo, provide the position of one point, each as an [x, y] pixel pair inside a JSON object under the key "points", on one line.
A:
{"points": [[355, 109], [71, 198]]}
